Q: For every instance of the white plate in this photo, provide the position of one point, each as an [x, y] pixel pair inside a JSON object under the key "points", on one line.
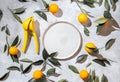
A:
{"points": [[64, 38]]}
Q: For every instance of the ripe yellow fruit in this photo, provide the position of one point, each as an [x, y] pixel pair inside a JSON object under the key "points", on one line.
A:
{"points": [[13, 50], [53, 8], [83, 74], [82, 18], [90, 47], [37, 74]]}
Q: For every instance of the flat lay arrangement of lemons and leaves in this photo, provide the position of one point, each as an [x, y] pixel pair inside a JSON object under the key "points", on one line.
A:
{"points": [[62, 41]]}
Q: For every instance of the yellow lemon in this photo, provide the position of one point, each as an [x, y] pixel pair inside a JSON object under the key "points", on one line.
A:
{"points": [[82, 18], [37, 74], [83, 74], [53, 8], [13, 50]]}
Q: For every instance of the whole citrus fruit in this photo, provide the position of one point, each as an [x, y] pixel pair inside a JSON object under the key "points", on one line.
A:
{"points": [[37, 74], [90, 47], [82, 18], [13, 50], [53, 8], [83, 74]]}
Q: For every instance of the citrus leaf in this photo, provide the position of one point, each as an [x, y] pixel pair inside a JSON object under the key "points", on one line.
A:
{"points": [[42, 14], [93, 75], [21, 67], [13, 68], [73, 68], [19, 10], [100, 2], [55, 62], [82, 58], [7, 31], [96, 79], [100, 62], [51, 71], [45, 4], [22, 0], [15, 58], [39, 62], [45, 54], [53, 54], [107, 62], [15, 41], [88, 64], [1, 14], [107, 6], [99, 28], [63, 80], [5, 47], [26, 60], [86, 31], [31, 80], [109, 44], [101, 20], [107, 14], [104, 78], [3, 28], [27, 69], [4, 76], [44, 79]]}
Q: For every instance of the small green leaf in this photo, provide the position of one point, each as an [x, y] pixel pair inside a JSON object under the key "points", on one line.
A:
{"points": [[45, 54], [19, 10], [107, 6], [109, 44], [88, 64], [101, 20], [27, 69], [72, 1], [3, 28], [63, 80], [82, 58], [7, 31], [55, 62], [15, 41], [99, 29], [86, 31], [51, 71], [13, 68], [107, 62], [5, 47], [73, 68], [15, 58], [1, 14], [4, 76], [100, 2], [21, 67], [107, 14], [53, 54], [93, 75], [39, 62], [26, 60], [45, 4], [22, 0], [96, 79], [42, 14], [104, 78], [100, 62]]}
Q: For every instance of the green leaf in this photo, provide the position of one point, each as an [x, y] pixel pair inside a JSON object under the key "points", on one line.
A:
{"points": [[107, 6], [55, 62], [53, 54], [5, 47], [104, 78], [72, 1], [100, 62], [107, 62], [19, 10], [107, 14], [16, 16], [26, 60], [21, 67], [15, 58], [27, 69], [93, 75], [109, 44], [82, 58], [44, 79], [101, 20], [3, 28], [88, 64], [1, 14], [100, 2], [51, 71], [39, 62], [15, 41], [73, 68], [45, 4], [4, 76], [13, 68], [89, 3], [45, 54], [22, 0], [63, 80], [99, 28], [7, 31], [42, 14], [86, 31], [96, 79]]}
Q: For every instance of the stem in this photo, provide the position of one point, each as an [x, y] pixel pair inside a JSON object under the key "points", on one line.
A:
{"points": [[79, 6]]}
